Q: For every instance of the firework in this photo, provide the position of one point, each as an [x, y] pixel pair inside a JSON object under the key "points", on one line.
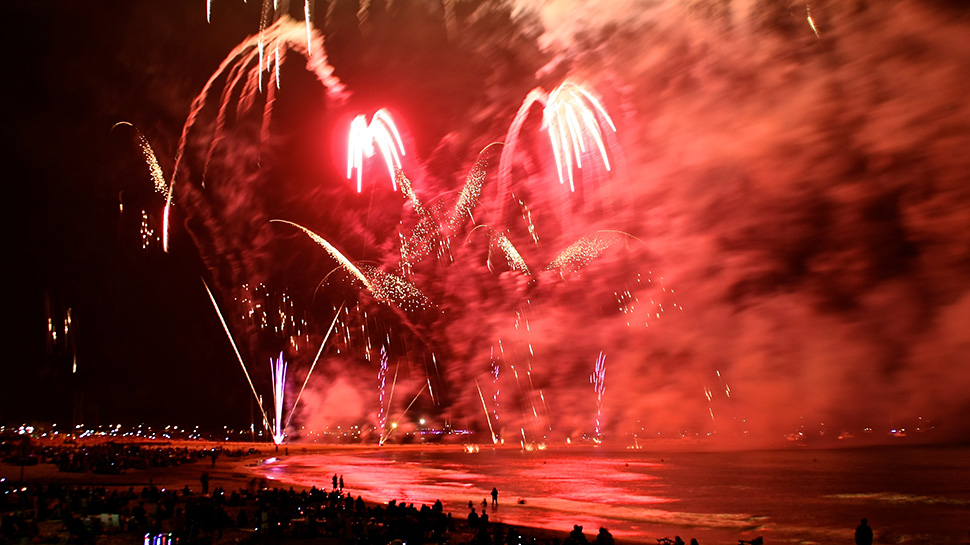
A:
{"points": [[535, 96], [512, 255], [575, 119], [582, 252], [598, 380], [158, 178], [487, 418], [240, 76], [406, 409], [334, 253], [381, 381], [384, 286], [578, 127], [314, 364], [278, 376], [236, 350], [811, 22], [380, 132], [388, 287]]}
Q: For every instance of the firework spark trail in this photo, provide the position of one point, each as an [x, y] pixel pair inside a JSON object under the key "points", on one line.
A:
{"points": [[811, 22], [334, 253], [512, 255], [536, 95], [278, 376], [238, 71], [381, 380], [389, 398], [496, 370], [236, 350], [566, 105], [472, 190], [430, 234], [314, 364], [389, 287], [406, 409], [362, 138], [307, 10], [434, 362], [408, 191], [573, 118], [582, 252], [158, 178], [485, 407], [598, 380]]}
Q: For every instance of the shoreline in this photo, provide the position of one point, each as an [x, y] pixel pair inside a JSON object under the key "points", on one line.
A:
{"points": [[234, 474]]}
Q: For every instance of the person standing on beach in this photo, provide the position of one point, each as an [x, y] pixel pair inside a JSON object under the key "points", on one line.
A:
{"points": [[604, 537], [863, 533], [494, 498], [204, 479], [334, 481]]}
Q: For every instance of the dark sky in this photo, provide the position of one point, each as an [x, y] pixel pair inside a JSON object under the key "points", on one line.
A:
{"points": [[796, 197]]}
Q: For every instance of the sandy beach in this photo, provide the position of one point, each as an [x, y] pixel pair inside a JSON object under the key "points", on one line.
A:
{"points": [[231, 473]]}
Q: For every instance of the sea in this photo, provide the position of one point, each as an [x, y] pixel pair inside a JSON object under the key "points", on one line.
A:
{"points": [[909, 494]]}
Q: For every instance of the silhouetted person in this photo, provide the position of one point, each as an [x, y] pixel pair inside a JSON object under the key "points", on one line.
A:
{"points": [[494, 497], [576, 536], [341, 482], [204, 479], [678, 541], [863, 533], [473, 518], [604, 537], [693, 541], [484, 504], [334, 481]]}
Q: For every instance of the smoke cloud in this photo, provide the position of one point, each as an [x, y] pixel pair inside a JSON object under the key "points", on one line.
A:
{"points": [[789, 185]]}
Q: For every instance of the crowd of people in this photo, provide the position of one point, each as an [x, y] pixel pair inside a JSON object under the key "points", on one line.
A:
{"points": [[112, 458], [68, 514], [253, 515]]}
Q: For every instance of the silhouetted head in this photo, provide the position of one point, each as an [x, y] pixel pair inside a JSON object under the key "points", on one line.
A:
{"points": [[864, 521]]}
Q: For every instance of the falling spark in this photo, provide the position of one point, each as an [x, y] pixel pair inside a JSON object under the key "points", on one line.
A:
{"points": [[278, 376], [363, 137]]}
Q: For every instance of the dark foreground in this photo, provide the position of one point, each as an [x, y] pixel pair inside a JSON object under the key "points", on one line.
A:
{"points": [[111, 494]]}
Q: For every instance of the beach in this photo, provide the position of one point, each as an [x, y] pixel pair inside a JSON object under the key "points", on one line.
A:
{"points": [[911, 494], [240, 472]]}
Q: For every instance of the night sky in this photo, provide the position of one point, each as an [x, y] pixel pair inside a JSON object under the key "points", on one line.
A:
{"points": [[785, 230]]}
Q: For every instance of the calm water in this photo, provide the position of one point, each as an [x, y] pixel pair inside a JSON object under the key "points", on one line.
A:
{"points": [[909, 494]]}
